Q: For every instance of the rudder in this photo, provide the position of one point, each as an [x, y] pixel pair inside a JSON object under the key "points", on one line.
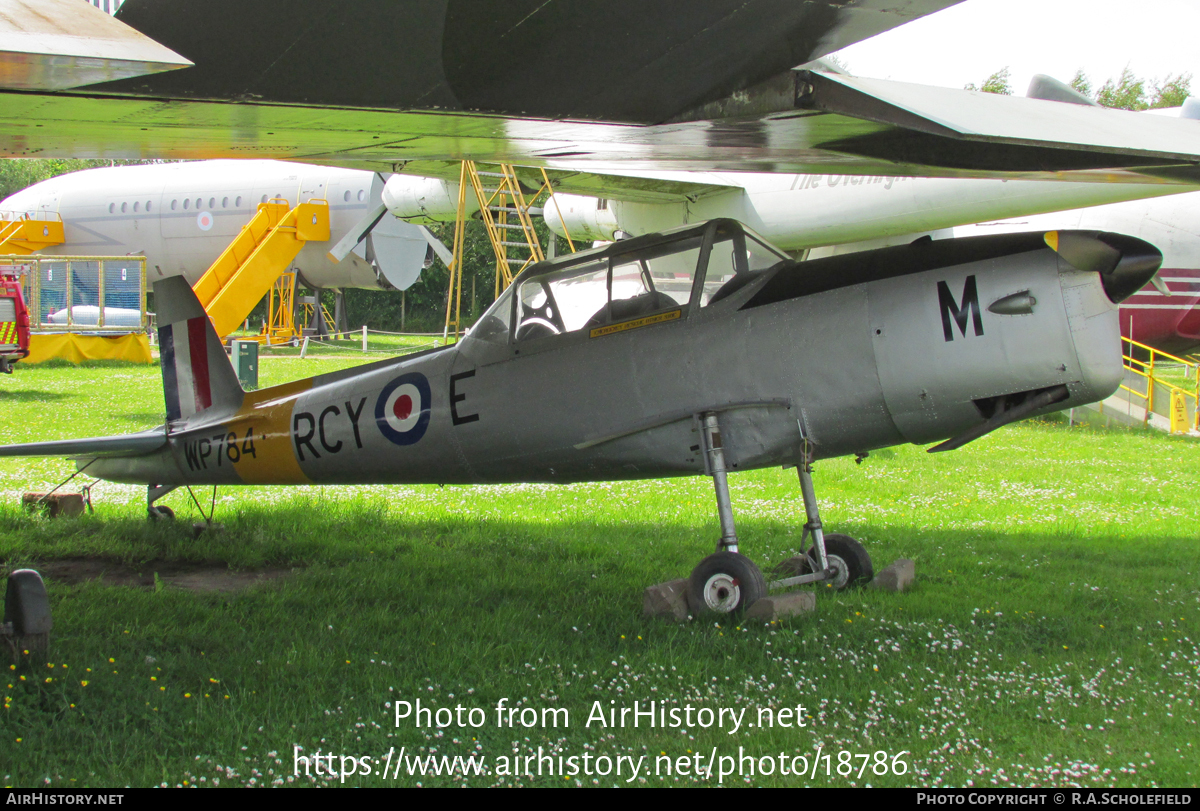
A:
{"points": [[197, 374]]}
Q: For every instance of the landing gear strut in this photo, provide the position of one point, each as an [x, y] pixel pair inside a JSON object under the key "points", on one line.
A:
{"points": [[727, 582], [837, 560]]}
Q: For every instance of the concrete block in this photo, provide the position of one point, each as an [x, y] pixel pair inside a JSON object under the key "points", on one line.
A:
{"points": [[668, 600], [897, 577], [778, 606], [200, 527], [65, 504]]}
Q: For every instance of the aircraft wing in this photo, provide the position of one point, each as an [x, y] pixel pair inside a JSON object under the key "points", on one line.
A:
{"points": [[675, 86], [616, 181]]}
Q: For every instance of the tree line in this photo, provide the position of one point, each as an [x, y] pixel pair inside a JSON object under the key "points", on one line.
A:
{"points": [[1126, 92]]}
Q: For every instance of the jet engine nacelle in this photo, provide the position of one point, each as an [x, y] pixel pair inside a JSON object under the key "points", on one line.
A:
{"points": [[425, 200], [583, 218]]}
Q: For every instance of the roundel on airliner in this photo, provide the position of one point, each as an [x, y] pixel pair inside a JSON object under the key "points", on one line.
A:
{"points": [[204, 220], [402, 410]]}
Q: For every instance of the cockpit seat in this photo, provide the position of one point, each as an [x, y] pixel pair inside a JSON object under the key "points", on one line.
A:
{"points": [[626, 309]]}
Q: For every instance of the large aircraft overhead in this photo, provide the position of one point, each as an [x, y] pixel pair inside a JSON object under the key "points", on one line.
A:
{"points": [[181, 216]]}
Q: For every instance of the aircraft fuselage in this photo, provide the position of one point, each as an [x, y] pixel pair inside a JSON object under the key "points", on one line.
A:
{"points": [[849, 354]]}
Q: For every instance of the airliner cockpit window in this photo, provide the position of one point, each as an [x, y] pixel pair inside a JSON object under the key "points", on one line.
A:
{"points": [[608, 291]]}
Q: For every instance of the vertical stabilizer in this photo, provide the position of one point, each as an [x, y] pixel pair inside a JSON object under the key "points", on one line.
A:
{"points": [[197, 375]]}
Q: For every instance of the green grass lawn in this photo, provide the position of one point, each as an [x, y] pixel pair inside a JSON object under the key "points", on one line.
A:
{"points": [[1051, 638]]}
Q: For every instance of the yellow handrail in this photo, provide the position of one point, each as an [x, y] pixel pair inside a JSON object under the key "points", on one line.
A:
{"points": [[1147, 372]]}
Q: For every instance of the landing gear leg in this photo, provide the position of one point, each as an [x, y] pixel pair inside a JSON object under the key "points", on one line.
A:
{"points": [[715, 456], [836, 560], [726, 582], [153, 493]]}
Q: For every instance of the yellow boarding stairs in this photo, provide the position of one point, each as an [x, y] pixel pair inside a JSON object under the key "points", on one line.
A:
{"points": [[249, 268], [25, 236]]}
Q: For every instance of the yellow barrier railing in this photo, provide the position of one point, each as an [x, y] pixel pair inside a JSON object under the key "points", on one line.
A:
{"points": [[1151, 367], [82, 293]]}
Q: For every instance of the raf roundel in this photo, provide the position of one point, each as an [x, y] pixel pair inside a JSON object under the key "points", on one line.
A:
{"points": [[402, 410], [204, 220]]}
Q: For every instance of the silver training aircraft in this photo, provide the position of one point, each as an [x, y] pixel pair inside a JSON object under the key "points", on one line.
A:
{"points": [[696, 351], [701, 350]]}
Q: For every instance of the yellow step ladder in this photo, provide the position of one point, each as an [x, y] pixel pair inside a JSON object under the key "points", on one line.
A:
{"points": [[507, 213], [25, 236], [248, 268]]}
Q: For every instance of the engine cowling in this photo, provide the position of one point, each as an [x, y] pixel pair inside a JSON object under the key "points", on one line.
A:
{"points": [[584, 218], [425, 200]]}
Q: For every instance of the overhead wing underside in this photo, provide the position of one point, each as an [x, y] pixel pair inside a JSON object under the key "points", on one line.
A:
{"points": [[842, 125], [417, 85]]}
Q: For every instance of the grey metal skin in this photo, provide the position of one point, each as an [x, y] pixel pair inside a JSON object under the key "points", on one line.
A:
{"points": [[856, 352]]}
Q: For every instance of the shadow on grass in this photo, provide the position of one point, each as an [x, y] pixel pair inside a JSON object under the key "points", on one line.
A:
{"points": [[449, 557], [32, 396]]}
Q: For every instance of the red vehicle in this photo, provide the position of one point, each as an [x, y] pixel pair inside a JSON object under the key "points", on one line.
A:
{"points": [[14, 322]]}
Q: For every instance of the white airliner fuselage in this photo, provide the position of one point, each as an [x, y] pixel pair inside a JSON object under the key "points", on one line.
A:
{"points": [[181, 216], [822, 215]]}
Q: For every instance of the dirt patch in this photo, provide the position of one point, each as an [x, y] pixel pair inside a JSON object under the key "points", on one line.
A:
{"points": [[198, 577]]}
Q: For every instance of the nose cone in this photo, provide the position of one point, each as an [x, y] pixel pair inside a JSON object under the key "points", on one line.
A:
{"points": [[1126, 264]]}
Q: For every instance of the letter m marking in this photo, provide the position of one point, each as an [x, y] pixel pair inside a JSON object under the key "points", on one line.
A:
{"points": [[959, 311]]}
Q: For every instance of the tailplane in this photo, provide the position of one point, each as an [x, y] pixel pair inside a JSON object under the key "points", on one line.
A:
{"points": [[197, 375]]}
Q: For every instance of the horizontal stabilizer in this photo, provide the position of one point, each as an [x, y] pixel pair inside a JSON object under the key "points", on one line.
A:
{"points": [[125, 445]]}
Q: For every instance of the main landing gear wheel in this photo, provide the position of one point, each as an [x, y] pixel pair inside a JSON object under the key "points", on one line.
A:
{"points": [[161, 512], [725, 583], [848, 557]]}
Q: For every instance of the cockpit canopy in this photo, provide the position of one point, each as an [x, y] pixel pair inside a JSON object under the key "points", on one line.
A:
{"points": [[657, 276]]}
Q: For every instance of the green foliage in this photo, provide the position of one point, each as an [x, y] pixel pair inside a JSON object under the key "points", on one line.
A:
{"points": [[1081, 83], [1172, 91], [21, 173], [997, 83], [1127, 92], [1130, 92]]}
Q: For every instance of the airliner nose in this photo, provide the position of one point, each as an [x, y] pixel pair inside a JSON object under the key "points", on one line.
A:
{"points": [[1126, 264]]}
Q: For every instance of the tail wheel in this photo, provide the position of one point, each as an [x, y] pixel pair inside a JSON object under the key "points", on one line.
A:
{"points": [[161, 512], [725, 583], [848, 557]]}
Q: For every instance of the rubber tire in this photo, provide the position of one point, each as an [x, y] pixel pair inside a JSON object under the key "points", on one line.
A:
{"points": [[747, 577], [862, 571], [161, 512]]}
